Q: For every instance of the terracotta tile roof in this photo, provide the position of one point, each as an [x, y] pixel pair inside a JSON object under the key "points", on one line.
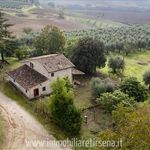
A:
{"points": [[27, 77], [77, 72], [53, 62]]}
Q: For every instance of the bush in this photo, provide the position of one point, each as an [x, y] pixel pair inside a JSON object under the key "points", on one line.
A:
{"points": [[116, 63], [132, 126], [146, 78], [63, 110], [21, 52], [109, 101], [99, 86], [135, 89]]}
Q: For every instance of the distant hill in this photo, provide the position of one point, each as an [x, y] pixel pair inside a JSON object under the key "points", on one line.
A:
{"points": [[17, 4], [102, 3]]}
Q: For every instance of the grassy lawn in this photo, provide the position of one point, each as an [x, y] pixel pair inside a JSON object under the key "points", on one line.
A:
{"points": [[133, 68], [2, 132], [83, 98]]}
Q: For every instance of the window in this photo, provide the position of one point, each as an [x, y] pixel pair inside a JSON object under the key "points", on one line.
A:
{"points": [[44, 88], [31, 65], [52, 74]]}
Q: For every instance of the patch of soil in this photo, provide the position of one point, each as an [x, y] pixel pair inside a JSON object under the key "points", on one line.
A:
{"points": [[37, 22], [142, 63]]}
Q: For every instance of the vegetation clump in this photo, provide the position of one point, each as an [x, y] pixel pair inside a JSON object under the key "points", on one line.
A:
{"points": [[131, 126], [146, 78], [89, 54], [116, 64], [62, 107], [50, 40], [6, 43], [109, 101], [99, 86], [135, 89]]}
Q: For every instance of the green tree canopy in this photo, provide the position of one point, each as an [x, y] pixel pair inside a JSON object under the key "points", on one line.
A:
{"points": [[132, 126], [99, 86], [89, 54], [116, 63], [135, 89], [5, 36], [50, 40], [62, 107], [109, 101]]}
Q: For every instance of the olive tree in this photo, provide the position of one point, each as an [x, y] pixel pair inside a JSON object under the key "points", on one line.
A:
{"points": [[116, 63]]}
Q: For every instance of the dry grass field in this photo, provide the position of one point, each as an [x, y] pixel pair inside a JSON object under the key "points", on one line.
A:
{"points": [[37, 20]]}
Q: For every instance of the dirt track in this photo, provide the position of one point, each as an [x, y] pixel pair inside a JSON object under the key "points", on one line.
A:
{"points": [[22, 127]]}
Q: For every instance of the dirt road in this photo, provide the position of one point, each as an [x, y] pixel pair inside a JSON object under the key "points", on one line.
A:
{"points": [[23, 130]]}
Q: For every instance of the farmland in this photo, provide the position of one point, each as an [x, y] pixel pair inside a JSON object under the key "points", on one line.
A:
{"points": [[37, 18], [113, 35], [136, 65]]}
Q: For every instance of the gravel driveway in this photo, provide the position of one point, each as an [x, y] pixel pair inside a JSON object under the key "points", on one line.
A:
{"points": [[24, 131]]}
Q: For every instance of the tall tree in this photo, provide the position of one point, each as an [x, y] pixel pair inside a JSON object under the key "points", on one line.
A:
{"points": [[50, 40], [62, 107], [5, 35], [89, 54]]}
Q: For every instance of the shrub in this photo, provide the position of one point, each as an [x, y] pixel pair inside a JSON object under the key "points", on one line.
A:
{"points": [[135, 89], [21, 52], [99, 86], [63, 110], [116, 63], [146, 78], [27, 30], [132, 127], [109, 101]]}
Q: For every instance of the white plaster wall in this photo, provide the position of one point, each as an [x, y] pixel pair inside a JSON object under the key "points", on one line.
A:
{"points": [[40, 87], [61, 73], [30, 93]]}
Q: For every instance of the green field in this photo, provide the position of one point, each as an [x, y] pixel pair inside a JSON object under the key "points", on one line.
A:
{"points": [[135, 65]]}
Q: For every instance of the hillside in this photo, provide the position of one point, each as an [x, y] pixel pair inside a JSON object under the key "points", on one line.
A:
{"points": [[17, 4]]}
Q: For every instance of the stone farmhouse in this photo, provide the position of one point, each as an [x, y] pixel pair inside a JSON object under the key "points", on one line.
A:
{"points": [[36, 74]]}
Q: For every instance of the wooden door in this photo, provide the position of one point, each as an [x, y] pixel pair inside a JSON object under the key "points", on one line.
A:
{"points": [[36, 92]]}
